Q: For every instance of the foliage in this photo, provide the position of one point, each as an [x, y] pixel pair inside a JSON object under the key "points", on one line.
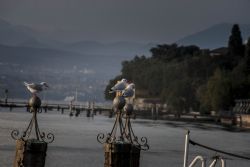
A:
{"points": [[219, 91], [187, 77], [235, 45]]}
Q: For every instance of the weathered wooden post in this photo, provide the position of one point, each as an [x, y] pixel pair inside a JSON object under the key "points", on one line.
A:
{"points": [[121, 146], [6, 92], [31, 152], [93, 108]]}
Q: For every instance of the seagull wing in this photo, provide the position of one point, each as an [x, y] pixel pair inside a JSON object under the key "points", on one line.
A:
{"points": [[36, 87], [128, 92], [119, 86]]}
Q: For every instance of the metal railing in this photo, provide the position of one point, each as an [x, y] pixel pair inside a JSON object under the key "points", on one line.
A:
{"points": [[199, 157]]}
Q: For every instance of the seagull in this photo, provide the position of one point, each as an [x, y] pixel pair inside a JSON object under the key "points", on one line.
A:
{"points": [[129, 90], [35, 88], [119, 86]]}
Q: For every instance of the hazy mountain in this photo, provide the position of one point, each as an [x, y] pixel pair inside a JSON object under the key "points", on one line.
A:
{"points": [[30, 44], [18, 35], [44, 58], [64, 70], [214, 37], [121, 48], [26, 55]]}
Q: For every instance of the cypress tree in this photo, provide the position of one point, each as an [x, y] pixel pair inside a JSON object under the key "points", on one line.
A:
{"points": [[235, 45], [247, 55], [247, 52]]}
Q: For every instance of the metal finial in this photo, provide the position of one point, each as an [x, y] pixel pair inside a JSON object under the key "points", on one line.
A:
{"points": [[35, 104], [128, 109]]}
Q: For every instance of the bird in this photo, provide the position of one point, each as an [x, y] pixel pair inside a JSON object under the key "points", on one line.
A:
{"points": [[35, 88], [129, 90], [119, 86]]}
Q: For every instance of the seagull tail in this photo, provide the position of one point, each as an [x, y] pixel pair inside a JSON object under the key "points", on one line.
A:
{"points": [[111, 91]]}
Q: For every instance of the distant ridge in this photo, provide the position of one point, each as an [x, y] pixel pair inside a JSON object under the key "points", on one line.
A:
{"points": [[121, 48], [15, 35], [215, 36]]}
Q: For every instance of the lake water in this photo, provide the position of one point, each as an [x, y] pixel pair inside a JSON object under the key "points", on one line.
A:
{"points": [[75, 142]]}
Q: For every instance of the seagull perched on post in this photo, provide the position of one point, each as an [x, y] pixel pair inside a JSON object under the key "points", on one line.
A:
{"points": [[119, 86], [35, 88], [129, 90]]}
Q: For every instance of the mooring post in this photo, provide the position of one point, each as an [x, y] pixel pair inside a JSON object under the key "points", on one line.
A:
{"points": [[6, 92], [31, 152], [121, 146], [185, 164]]}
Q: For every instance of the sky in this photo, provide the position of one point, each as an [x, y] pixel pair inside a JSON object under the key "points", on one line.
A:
{"points": [[123, 20]]}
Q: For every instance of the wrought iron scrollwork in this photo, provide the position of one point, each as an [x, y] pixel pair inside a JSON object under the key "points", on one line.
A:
{"points": [[143, 144], [49, 138], [122, 130], [101, 138], [15, 134], [33, 126]]}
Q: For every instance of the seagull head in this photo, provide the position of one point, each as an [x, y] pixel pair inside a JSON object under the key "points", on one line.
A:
{"points": [[44, 84], [124, 80], [131, 85]]}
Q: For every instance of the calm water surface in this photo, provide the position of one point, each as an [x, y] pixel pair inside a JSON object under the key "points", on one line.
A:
{"points": [[75, 142]]}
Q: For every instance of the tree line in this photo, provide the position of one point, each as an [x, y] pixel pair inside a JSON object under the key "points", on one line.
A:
{"points": [[189, 78]]}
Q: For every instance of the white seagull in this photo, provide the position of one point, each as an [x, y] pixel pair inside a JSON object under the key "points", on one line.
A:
{"points": [[119, 86], [129, 90], [35, 88]]}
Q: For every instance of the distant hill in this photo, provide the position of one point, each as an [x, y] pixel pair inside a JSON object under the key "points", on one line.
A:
{"points": [[15, 35], [64, 70], [214, 37], [26, 55], [62, 60], [18, 35], [22, 41], [30, 56], [121, 48]]}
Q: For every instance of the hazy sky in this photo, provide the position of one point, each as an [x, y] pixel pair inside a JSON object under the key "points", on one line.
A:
{"points": [[124, 20]]}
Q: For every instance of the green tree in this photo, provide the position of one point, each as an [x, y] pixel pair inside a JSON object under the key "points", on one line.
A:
{"points": [[247, 52], [204, 99], [235, 45], [219, 91]]}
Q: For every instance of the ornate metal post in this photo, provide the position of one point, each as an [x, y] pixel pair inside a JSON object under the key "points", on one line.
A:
{"points": [[31, 152], [121, 146]]}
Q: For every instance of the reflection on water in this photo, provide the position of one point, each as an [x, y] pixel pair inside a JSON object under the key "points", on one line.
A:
{"points": [[75, 142]]}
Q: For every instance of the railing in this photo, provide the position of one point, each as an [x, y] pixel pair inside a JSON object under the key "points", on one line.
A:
{"points": [[199, 157], [202, 159]]}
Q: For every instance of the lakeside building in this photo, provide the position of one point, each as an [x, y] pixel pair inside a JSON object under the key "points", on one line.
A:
{"points": [[241, 113]]}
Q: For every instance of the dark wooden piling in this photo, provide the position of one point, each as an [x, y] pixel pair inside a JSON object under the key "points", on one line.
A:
{"points": [[121, 155], [30, 153], [34, 153], [135, 156], [88, 113]]}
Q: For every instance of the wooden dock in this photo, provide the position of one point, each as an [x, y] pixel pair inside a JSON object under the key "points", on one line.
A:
{"points": [[54, 106]]}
